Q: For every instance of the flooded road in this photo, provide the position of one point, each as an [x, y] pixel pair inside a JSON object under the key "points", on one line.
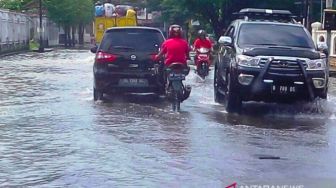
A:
{"points": [[52, 134]]}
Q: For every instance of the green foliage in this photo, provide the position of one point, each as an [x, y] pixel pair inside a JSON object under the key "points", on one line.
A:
{"points": [[13, 4], [33, 45], [70, 12], [217, 13]]}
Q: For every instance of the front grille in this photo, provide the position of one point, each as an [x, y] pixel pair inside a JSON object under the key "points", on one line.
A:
{"points": [[283, 66]]}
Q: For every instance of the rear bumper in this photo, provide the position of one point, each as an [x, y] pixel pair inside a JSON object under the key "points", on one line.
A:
{"points": [[279, 87], [108, 82]]}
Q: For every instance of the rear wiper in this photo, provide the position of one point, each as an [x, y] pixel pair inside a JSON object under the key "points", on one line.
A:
{"points": [[123, 47], [280, 47]]}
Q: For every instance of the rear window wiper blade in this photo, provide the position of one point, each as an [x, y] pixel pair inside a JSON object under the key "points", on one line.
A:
{"points": [[123, 47]]}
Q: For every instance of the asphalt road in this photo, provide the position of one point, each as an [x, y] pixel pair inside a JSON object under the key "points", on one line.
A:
{"points": [[52, 134]]}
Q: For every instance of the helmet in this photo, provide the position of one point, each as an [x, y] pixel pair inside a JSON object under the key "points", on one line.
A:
{"points": [[202, 34], [175, 31]]}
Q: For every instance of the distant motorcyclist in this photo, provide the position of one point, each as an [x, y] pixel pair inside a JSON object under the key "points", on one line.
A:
{"points": [[202, 41], [203, 49]]}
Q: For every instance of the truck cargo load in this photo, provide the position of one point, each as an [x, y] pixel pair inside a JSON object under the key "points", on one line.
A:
{"points": [[112, 16]]}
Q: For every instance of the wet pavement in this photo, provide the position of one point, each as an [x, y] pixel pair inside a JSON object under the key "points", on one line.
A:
{"points": [[52, 134]]}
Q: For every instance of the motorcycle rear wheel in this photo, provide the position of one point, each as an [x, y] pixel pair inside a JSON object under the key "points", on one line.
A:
{"points": [[176, 103]]}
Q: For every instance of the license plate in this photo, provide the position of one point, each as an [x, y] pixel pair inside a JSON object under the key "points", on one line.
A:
{"points": [[175, 76], [283, 89], [129, 82], [203, 55], [133, 65]]}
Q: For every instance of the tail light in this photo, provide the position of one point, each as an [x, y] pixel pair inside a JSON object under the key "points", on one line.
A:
{"points": [[152, 56], [103, 57]]}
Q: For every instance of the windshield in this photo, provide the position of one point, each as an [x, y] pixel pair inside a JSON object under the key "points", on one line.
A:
{"points": [[274, 35], [140, 40]]}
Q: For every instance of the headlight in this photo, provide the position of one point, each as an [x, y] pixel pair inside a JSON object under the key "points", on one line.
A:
{"points": [[317, 64], [247, 61], [203, 50]]}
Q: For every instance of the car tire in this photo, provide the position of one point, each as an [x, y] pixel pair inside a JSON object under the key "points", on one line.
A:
{"points": [[160, 91], [324, 95], [219, 97], [97, 95], [233, 102]]}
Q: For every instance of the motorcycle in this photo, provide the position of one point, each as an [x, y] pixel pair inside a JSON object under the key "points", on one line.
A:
{"points": [[203, 62], [176, 91]]}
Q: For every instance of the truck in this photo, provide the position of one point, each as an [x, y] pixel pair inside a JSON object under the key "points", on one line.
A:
{"points": [[102, 23]]}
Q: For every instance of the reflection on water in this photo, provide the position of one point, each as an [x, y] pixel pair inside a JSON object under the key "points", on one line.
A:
{"points": [[52, 134]]}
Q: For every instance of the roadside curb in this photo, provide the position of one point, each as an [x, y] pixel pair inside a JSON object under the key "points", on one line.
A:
{"points": [[53, 48], [332, 72], [13, 53]]}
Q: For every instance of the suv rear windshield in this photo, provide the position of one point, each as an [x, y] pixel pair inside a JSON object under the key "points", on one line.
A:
{"points": [[140, 40], [274, 35]]}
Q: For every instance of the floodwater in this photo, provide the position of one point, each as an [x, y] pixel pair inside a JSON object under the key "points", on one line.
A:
{"points": [[52, 134]]}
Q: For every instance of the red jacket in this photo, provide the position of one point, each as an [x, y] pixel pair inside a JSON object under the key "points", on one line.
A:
{"points": [[176, 50], [202, 43]]}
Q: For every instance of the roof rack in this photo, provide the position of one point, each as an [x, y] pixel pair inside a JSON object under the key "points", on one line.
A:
{"points": [[252, 14]]}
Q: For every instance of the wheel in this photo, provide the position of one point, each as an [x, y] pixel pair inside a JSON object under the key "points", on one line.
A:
{"points": [[219, 97], [325, 94], [97, 95], [206, 69], [173, 105], [232, 101], [202, 71], [161, 90], [178, 106], [176, 103]]}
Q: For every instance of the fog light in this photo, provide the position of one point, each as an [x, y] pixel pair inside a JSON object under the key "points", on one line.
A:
{"points": [[319, 82], [245, 79]]}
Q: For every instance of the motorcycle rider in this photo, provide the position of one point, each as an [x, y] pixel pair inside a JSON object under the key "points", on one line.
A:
{"points": [[175, 49], [202, 42]]}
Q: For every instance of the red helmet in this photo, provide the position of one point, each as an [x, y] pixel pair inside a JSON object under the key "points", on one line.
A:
{"points": [[175, 31]]}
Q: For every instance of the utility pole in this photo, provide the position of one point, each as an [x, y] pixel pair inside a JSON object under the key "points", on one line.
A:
{"points": [[321, 19], [41, 49], [329, 5]]}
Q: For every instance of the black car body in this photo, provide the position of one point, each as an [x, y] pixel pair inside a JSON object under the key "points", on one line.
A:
{"points": [[125, 61], [271, 61]]}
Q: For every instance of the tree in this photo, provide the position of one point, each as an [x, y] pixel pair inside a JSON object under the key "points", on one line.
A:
{"points": [[218, 13], [70, 15], [13, 4]]}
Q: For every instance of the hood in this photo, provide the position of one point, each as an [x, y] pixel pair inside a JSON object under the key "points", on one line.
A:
{"points": [[281, 51]]}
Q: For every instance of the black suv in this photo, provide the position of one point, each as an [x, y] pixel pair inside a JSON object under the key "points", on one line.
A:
{"points": [[125, 61], [267, 56]]}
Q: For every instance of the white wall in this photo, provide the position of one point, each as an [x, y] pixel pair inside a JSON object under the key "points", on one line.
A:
{"points": [[14, 27], [317, 33]]}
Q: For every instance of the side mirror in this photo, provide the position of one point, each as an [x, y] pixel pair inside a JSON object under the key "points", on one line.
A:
{"points": [[94, 49], [225, 41], [322, 47]]}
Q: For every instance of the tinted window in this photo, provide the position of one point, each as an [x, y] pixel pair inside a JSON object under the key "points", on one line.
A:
{"points": [[143, 40], [277, 35]]}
